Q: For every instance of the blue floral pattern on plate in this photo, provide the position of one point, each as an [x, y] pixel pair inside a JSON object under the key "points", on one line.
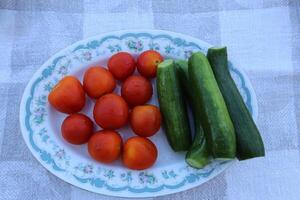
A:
{"points": [[52, 153]]}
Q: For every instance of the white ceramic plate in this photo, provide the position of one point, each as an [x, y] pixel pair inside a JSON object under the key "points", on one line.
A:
{"points": [[40, 124]]}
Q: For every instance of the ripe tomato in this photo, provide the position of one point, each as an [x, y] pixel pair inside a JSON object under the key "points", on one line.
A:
{"points": [[111, 111], [121, 65], [68, 95], [147, 63], [105, 146], [98, 81], [136, 90], [139, 153], [145, 120], [77, 128]]}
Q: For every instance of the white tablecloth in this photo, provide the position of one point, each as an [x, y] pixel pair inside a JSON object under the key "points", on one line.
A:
{"points": [[262, 35]]}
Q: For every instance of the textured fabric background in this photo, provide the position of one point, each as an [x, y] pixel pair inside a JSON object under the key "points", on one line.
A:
{"points": [[262, 35]]}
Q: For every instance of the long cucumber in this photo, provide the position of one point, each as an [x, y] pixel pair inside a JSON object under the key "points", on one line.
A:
{"points": [[218, 127], [173, 107], [249, 141], [198, 155]]}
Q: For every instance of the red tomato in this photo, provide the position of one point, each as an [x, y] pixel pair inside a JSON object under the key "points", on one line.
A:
{"points": [[111, 111], [98, 81], [147, 63], [139, 153], [136, 90], [145, 120], [105, 146], [77, 128], [121, 65], [68, 95]]}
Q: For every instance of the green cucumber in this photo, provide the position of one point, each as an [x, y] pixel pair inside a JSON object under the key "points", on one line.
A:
{"points": [[249, 141], [173, 107], [198, 155], [218, 127]]}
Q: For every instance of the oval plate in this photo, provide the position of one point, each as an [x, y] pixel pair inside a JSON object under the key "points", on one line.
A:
{"points": [[40, 124]]}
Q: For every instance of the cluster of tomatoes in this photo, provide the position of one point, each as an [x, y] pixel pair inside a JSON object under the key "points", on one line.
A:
{"points": [[112, 111]]}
